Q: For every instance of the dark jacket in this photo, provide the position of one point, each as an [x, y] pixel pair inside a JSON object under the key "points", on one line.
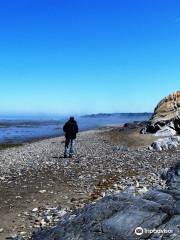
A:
{"points": [[71, 129]]}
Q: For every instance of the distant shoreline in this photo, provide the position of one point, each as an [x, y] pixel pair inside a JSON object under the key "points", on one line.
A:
{"points": [[116, 114], [11, 144], [20, 131]]}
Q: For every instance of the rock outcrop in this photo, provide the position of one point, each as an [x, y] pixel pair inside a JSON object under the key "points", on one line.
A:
{"points": [[155, 215], [166, 117], [166, 143]]}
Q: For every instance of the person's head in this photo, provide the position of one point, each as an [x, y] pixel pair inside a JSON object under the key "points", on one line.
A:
{"points": [[71, 118]]}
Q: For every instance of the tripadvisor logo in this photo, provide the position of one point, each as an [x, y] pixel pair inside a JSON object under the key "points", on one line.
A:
{"points": [[140, 231]]}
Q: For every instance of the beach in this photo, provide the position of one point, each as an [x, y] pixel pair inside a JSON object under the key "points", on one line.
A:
{"points": [[34, 177], [89, 120]]}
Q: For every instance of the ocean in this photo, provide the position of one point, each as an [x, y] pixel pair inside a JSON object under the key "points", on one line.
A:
{"points": [[19, 129]]}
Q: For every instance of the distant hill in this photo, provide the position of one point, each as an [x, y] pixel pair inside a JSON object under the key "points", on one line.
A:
{"points": [[116, 115]]}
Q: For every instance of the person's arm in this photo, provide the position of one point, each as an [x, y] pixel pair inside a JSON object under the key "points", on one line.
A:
{"points": [[76, 128], [65, 127]]}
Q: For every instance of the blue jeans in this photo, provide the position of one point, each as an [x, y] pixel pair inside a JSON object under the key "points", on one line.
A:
{"points": [[69, 147]]}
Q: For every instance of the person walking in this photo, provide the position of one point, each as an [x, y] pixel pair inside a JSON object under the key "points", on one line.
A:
{"points": [[70, 129]]}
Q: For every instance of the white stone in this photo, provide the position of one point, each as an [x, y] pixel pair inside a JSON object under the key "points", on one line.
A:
{"points": [[35, 210], [165, 132], [42, 191]]}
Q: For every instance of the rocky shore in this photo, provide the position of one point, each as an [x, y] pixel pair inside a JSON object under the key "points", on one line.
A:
{"points": [[166, 118], [38, 186], [155, 215]]}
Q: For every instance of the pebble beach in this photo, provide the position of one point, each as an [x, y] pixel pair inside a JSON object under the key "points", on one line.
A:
{"points": [[38, 186]]}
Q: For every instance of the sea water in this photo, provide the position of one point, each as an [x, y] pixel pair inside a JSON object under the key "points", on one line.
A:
{"points": [[19, 129]]}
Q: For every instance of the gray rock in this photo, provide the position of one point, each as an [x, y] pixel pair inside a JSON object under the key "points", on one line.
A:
{"points": [[165, 143], [170, 230], [118, 216], [177, 208], [141, 213], [159, 197], [120, 149]]}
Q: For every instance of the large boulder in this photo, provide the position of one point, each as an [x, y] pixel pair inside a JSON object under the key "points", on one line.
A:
{"points": [[124, 216], [166, 116]]}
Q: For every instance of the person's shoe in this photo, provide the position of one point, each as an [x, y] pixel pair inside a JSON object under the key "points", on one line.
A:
{"points": [[70, 155], [65, 156]]}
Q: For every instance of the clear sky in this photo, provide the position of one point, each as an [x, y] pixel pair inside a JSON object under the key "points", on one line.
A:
{"points": [[88, 56]]}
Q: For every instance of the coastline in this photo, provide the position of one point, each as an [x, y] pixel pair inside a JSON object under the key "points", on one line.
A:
{"points": [[108, 160], [6, 145], [10, 144], [18, 130]]}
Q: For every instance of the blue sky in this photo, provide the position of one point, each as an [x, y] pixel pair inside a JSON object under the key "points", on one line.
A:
{"points": [[88, 56]]}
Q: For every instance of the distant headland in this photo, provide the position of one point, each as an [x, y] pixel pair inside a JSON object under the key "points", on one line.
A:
{"points": [[116, 115]]}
